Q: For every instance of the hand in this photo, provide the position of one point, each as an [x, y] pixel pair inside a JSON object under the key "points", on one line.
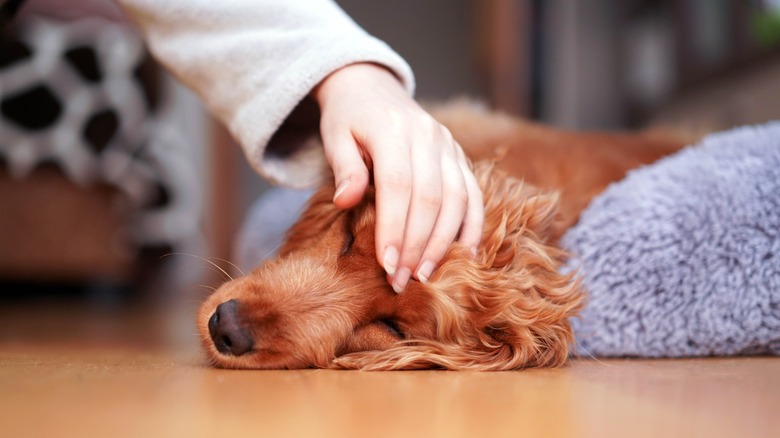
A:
{"points": [[425, 190]]}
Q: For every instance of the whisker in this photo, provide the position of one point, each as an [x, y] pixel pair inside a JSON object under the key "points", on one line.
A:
{"points": [[200, 258], [189, 302], [271, 251], [231, 264], [588, 354]]}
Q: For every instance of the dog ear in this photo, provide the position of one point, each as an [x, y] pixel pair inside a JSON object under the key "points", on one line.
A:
{"points": [[509, 307], [513, 208], [517, 302]]}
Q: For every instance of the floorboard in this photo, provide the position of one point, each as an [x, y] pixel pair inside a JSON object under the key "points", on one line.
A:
{"points": [[66, 372]]}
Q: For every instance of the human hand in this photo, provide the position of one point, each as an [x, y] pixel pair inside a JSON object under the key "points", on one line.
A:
{"points": [[425, 191]]}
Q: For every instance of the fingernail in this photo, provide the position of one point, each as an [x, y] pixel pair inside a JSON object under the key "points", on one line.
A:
{"points": [[473, 251], [340, 189], [401, 279], [390, 260], [425, 270]]}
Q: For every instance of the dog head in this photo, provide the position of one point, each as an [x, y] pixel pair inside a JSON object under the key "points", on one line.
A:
{"points": [[325, 300]]}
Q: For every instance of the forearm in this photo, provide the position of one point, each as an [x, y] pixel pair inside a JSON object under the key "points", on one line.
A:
{"points": [[253, 62]]}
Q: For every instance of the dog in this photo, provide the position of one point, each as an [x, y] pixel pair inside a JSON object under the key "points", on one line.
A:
{"points": [[324, 302]]}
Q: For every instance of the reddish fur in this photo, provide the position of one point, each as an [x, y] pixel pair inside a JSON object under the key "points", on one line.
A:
{"points": [[507, 308]]}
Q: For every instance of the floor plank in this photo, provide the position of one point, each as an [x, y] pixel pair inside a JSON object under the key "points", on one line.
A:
{"points": [[82, 386]]}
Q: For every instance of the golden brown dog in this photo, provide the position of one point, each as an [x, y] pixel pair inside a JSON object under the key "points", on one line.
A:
{"points": [[325, 301]]}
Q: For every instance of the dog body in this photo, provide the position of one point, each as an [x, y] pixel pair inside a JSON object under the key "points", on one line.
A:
{"points": [[577, 165], [325, 301]]}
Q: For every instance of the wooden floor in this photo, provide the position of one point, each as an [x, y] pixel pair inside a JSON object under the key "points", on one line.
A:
{"points": [[66, 372]]}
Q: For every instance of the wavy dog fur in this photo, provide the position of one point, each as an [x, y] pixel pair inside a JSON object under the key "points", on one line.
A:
{"points": [[325, 301], [507, 308]]}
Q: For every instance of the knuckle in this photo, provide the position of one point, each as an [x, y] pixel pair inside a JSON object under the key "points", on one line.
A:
{"points": [[457, 192], [426, 124], [429, 200], [461, 199], [433, 124], [446, 135], [396, 180], [438, 246], [461, 154], [404, 121], [441, 240], [413, 251], [342, 170]]}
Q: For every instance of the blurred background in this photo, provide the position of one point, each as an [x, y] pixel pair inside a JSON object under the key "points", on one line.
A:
{"points": [[116, 187]]}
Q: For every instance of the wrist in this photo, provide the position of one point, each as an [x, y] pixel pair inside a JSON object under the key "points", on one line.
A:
{"points": [[351, 77]]}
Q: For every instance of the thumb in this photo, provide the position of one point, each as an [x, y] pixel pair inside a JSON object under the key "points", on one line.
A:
{"points": [[349, 169]]}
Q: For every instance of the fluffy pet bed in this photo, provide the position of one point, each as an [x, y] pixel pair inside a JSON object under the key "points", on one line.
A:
{"points": [[682, 258]]}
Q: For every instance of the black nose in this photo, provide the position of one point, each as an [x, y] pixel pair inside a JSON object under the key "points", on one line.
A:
{"points": [[226, 331]]}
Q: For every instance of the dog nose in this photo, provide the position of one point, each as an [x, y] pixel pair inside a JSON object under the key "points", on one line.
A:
{"points": [[226, 331]]}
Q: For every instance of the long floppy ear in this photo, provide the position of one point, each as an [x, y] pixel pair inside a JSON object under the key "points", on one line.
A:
{"points": [[518, 302], [507, 309]]}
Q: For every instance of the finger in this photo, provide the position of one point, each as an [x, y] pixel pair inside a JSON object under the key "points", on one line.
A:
{"points": [[393, 184], [349, 169], [424, 208], [453, 210], [471, 230]]}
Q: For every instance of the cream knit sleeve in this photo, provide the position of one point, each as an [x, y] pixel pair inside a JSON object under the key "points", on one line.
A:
{"points": [[254, 62]]}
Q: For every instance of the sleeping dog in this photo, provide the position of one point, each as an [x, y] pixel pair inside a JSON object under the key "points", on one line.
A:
{"points": [[325, 301]]}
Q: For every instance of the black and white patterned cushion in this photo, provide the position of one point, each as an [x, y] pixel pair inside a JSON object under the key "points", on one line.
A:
{"points": [[85, 96]]}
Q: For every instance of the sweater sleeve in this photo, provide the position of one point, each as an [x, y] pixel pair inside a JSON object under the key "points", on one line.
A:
{"points": [[254, 63]]}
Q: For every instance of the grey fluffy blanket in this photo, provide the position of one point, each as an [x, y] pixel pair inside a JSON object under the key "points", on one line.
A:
{"points": [[682, 258]]}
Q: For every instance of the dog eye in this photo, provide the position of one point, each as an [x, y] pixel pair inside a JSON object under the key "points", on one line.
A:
{"points": [[348, 241], [392, 327]]}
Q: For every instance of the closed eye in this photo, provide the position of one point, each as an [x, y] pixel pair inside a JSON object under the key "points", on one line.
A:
{"points": [[349, 236], [348, 241], [392, 327]]}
